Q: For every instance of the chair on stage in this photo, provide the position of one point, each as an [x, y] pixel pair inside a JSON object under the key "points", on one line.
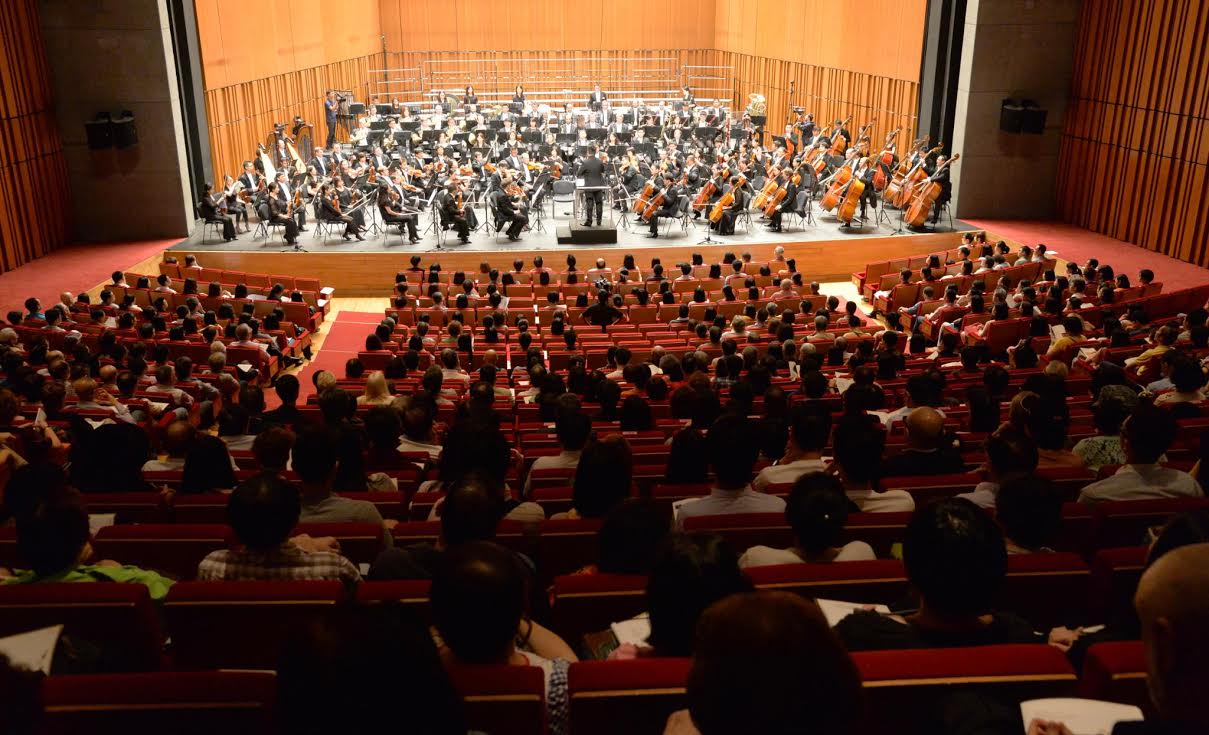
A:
{"points": [[266, 224], [215, 223], [801, 205], [563, 193]]}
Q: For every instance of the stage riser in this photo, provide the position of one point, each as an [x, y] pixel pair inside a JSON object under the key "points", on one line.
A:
{"points": [[371, 274], [577, 234]]}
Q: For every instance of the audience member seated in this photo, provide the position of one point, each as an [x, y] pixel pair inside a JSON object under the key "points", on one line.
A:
{"points": [[573, 429], [765, 662], [858, 445], [732, 451], [314, 458], [262, 511], [179, 438], [479, 611], [955, 560], [53, 537], [690, 573], [1029, 511], [602, 478], [1011, 453], [810, 430], [417, 431], [1145, 436], [208, 467], [930, 449], [1113, 405], [816, 511]]}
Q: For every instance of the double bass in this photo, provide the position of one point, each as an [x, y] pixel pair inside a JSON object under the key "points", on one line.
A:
{"points": [[852, 196], [840, 144], [885, 160], [769, 190], [926, 197], [726, 201], [899, 190], [839, 181]]}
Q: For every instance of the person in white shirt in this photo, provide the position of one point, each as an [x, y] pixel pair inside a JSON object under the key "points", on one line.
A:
{"points": [[165, 384], [858, 446], [573, 429], [921, 391], [1145, 437], [817, 511], [809, 432], [90, 397], [732, 450], [450, 372]]}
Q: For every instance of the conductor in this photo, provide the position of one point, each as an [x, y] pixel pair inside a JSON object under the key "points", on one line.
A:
{"points": [[591, 170]]}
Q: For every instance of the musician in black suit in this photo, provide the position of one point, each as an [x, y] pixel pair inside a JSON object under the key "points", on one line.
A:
{"points": [[671, 196], [330, 211], [940, 174], [518, 96], [379, 159], [726, 225], [279, 213], [591, 170], [454, 215], [390, 205], [319, 163], [791, 194], [251, 178], [470, 98], [284, 193], [506, 211], [838, 129], [869, 193], [213, 209], [597, 99]]}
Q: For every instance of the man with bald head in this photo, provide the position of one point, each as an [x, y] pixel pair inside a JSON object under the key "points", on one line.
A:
{"points": [[929, 450], [1173, 606]]}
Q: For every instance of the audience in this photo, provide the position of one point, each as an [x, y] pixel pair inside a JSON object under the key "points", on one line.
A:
{"points": [[810, 430], [929, 451], [732, 452], [1145, 436], [816, 511]]}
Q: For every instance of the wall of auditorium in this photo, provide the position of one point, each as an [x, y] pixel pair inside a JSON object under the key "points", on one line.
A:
{"points": [[1135, 148], [115, 56], [34, 197], [1011, 48], [267, 62], [845, 60]]}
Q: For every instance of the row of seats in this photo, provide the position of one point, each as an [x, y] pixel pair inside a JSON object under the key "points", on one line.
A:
{"points": [[902, 689]]}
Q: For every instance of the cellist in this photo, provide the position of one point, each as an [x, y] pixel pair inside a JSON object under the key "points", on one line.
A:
{"points": [[791, 195], [939, 173], [726, 225]]}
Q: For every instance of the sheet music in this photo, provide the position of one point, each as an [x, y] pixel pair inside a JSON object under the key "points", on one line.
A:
{"points": [[32, 651], [1081, 716]]}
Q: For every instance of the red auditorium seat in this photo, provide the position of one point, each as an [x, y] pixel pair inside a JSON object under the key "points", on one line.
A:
{"points": [[744, 530], [586, 603], [1046, 589], [131, 507], [1124, 523], [410, 593], [502, 700], [240, 624], [9, 556], [927, 488], [1116, 672], [902, 687], [173, 548], [118, 617], [880, 581], [633, 697], [200, 508], [1114, 579], [565, 546], [359, 542], [184, 703]]}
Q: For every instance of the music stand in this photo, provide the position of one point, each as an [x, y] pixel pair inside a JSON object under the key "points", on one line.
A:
{"points": [[596, 134], [384, 110]]}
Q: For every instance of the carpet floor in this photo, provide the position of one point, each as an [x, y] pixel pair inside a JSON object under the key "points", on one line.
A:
{"points": [[74, 268]]}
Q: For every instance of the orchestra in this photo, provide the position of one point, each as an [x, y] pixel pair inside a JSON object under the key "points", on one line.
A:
{"points": [[464, 152]]}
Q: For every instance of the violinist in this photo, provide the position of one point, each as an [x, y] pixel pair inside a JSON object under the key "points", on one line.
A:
{"points": [[319, 163], [279, 213], [508, 212], [791, 195], [285, 194], [214, 209], [686, 96], [330, 211], [390, 206], [379, 159], [235, 204], [349, 198], [453, 212], [671, 198], [726, 225]]}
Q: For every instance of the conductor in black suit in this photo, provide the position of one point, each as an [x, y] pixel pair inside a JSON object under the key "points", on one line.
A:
{"points": [[597, 99], [592, 172]]}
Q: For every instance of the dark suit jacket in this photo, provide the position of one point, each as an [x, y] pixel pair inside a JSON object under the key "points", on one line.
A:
{"points": [[911, 463], [592, 171]]}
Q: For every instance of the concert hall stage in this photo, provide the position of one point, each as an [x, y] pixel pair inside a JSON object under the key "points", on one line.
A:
{"points": [[824, 251]]}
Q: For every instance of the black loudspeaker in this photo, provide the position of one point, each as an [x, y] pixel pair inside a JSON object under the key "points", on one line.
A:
{"points": [[1032, 120], [99, 132], [125, 134], [1011, 115]]}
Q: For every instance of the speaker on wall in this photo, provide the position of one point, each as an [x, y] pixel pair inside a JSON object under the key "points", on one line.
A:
{"points": [[1022, 116], [99, 131], [125, 134]]}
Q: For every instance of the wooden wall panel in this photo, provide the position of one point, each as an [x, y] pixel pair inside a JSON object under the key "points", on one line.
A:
{"points": [[1134, 161], [34, 196]]}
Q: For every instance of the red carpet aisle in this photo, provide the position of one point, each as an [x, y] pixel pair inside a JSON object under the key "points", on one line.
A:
{"points": [[74, 268], [345, 337], [1078, 244]]}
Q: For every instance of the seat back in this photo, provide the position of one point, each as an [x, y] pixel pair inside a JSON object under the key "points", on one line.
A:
{"points": [[881, 581], [588, 603], [502, 700], [241, 624], [1116, 672], [903, 688], [1046, 589], [119, 618], [928, 488], [410, 593], [633, 696], [189, 703], [173, 548], [1114, 580], [1124, 523], [564, 546]]}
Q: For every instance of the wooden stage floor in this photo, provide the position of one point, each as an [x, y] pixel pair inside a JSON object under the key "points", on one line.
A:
{"points": [[824, 251]]}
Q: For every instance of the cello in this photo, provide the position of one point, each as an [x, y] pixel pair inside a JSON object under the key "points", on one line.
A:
{"points": [[655, 204], [727, 200], [782, 191], [852, 197], [840, 144], [839, 180], [769, 189], [885, 161], [644, 197], [917, 214]]}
